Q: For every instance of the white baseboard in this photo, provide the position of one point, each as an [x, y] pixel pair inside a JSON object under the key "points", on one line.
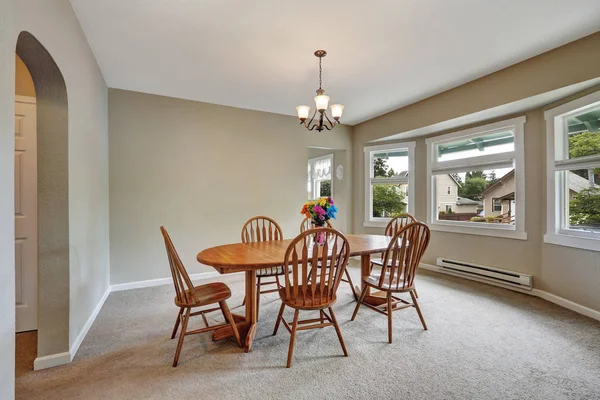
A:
{"points": [[52, 360], [86, 328], [158, 282], [578, 308]]}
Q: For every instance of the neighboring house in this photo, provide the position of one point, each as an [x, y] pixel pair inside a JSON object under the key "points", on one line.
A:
{"points": [[448, 199], [499, 197]]}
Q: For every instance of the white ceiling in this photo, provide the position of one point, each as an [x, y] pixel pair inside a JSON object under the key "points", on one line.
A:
{"points": [[382, 54]]}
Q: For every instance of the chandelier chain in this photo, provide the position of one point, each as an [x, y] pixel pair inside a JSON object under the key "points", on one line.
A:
{"points": [[320, 71]]}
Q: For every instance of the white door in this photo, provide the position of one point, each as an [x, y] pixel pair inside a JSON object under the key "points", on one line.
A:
{"points": [[26, 243]]}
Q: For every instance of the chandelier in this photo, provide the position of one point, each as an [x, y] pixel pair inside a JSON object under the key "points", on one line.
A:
{"points": [[321, 101]]}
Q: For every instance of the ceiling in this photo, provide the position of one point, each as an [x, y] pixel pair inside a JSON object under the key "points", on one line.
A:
{"points": [[382, 54]]}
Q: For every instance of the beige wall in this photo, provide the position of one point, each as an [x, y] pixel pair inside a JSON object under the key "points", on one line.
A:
{"points": [[570, 273], [201, 170], [54, 24], [23, 81]]}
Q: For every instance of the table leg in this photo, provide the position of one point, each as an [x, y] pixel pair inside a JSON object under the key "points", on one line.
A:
{"points": [[246, 324], [251, 316], [376, 298]]}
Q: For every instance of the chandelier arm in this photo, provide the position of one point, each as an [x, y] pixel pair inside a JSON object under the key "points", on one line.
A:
{"points": [[311, 120], [328, 120]]}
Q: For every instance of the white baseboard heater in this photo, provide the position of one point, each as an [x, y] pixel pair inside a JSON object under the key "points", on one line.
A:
{"points": [[484, 273]]}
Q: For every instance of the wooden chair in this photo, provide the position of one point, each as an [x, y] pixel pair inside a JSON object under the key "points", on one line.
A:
{"points": [[393, 227], [397, 223], [261, 229], [317, 292], [189, 296], [306, 225], [401, 260]]}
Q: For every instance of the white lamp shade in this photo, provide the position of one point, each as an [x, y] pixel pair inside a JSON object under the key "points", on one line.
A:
{"points": [[322, 101], [336, 111], [303, 111]]}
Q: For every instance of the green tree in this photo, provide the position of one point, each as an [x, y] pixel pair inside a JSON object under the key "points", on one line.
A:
{"points": [[475, 174], [381, 169], [584, 209], [388, 200], [325, 189], [492, 177], [473, 187], [584, 144]]}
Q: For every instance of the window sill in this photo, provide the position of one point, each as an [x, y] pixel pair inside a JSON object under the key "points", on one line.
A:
{"points": [[480, 231], [572, 241]]}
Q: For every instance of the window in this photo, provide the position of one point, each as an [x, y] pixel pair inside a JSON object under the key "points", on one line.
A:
{"points": [[389, 182], [486, 166], [573, 173], [497, 205], [320, 181]]}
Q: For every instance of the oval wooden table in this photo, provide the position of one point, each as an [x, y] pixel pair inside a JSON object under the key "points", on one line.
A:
{"points": [[250, 257]]}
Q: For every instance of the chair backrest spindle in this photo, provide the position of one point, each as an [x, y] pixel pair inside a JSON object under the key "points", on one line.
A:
{"points": [[261, 229], [403, 256], [184, 288]]}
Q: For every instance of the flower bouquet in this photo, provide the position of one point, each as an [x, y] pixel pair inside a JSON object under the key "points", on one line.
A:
{"points": [[319, 211]]}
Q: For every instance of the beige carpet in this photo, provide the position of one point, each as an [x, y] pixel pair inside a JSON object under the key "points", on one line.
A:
{"points": [[484, 343]]}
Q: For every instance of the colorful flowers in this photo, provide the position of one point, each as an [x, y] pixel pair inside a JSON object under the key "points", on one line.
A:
{"points": [[319, 211]]}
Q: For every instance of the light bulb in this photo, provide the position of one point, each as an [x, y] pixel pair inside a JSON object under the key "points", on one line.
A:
{"points": [[303, 112], [321, 101], [336, 111]]}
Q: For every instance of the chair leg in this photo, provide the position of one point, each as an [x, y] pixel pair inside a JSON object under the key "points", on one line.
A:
{"points": [[416, 294], [414, 299], [279, 318], [338, 331], [277, 280], [184, 324], [389, 314], [351, 284], [257, 295], [360, 300], [177, 323], [244, 302], [292, 339], [229, 318]]}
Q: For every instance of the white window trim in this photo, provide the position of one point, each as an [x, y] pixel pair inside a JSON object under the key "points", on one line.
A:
{"points": [[555, 234], [493, 160], [313, 161], [371, 221]]}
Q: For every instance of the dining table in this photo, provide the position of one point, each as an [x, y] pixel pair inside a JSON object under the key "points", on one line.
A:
{"points": [[251, 257]]}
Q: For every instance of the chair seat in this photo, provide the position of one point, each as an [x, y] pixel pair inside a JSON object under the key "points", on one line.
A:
{"points": [[271, 271], [373, 280], [306, 301], [209, 293]]}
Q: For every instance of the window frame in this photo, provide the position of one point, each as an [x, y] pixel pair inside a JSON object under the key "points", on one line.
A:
{"points": [[315, 182], [369, 220], [515, 158], [556, 118]]}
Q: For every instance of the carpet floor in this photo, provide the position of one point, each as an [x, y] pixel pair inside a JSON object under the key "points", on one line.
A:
{"points": [[483, 342]]}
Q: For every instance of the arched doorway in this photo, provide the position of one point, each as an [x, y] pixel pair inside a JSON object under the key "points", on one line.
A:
{"points": [[53, 202]]}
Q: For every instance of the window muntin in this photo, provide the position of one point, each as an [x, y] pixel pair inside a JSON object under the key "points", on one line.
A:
{"points": [[497, 205], [492, 157], [320, 181], [388, 178]]}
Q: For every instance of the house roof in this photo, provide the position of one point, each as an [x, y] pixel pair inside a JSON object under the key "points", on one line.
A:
{"points": [[498, 182], [463, 201], [578, 183]]}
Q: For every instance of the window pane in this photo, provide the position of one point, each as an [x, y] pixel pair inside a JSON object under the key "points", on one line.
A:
{"points": [[583, 199], [324, 188], [493, 143], [392, 163], [477, 196], [389, 200], [584, 134]]}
